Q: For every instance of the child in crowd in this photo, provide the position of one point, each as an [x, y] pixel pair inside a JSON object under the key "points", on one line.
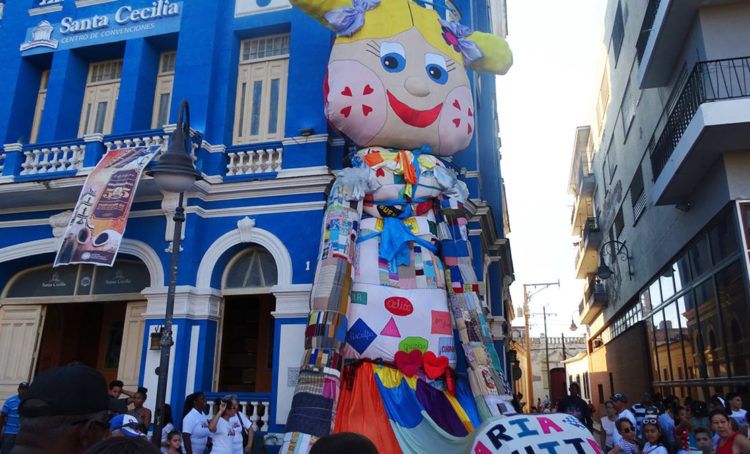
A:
{"points": [[627, 443], [655, 443], [174, 443], [703, 440]]}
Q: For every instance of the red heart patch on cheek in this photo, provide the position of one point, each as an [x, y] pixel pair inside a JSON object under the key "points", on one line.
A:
{"points": [[434, 366], [408, 363]]}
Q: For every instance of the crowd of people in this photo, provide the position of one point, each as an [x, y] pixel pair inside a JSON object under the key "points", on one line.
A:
{"points": [[668, 426], [71, 410]]}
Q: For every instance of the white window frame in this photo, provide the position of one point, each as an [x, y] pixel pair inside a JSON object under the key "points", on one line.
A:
{"points": [[41, 97], [164, 86], [101, 90], [251, 126]]}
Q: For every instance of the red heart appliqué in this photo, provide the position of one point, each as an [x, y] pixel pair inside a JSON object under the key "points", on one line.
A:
{"points": [[409, 363], [434, 366]]}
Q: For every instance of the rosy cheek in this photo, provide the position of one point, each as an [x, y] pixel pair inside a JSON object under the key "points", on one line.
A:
{"points": [[456, 121], [356, 101]]}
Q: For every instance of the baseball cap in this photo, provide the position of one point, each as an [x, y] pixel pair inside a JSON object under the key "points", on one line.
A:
{"points": [[69, 390], [127, 424], [619, 397]]}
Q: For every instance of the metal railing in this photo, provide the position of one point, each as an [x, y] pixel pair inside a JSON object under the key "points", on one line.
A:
{"points": [[709, 81], [256, 406]]}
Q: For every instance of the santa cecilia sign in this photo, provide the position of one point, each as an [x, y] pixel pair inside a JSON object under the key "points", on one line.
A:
{"points": [[126, 22]]}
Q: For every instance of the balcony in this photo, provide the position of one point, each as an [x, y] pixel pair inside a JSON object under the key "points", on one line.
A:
{"points": [[665, 29], [711, 116], [256, 406], [588, 248], [595, 299], [35, 173]]}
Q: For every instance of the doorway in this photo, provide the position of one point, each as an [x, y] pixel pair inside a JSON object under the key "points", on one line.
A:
{"points": [[88, 333], [246, 361]]}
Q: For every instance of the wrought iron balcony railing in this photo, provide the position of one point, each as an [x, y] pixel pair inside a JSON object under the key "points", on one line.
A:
{"points": [[709, 81]]}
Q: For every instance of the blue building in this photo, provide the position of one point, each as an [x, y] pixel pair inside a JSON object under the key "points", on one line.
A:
{"points": [[81, 77]]}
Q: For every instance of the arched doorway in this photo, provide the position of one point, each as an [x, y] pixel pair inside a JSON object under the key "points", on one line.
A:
{"points": [[245, 360], [50, 317]]}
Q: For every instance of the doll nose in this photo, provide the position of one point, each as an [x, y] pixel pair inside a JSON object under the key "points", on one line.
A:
{"points": [[417, 86]]}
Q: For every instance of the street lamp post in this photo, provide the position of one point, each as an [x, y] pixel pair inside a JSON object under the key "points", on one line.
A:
{"points": [[538, 287], [174, 173]]}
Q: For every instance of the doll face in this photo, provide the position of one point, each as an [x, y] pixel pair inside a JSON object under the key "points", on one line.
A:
{"points": [[399, 92]]}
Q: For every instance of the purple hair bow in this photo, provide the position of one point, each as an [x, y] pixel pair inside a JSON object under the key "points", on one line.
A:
{"points": [[457, 35], [348, 20]]}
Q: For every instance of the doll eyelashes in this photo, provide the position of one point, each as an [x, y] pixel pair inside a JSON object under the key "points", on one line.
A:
{"points": [[450, 65], [374, 48]]}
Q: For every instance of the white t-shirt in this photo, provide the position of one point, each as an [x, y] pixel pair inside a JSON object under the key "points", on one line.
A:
{"points": [[195, 423], [237, 440], [739, 416], [609, 431], [658, 449], [623, 414], [221, 440]]}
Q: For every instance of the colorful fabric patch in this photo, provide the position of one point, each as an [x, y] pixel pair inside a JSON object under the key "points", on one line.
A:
{"points": [[447, 348], [441, 322], [391, 329], [413, 343], [360, 336], [359, 298]]}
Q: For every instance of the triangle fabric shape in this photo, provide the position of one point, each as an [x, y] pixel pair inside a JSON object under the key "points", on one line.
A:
{"points": [[391, 329]]}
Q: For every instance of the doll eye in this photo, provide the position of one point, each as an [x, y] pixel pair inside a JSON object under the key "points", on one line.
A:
{"points": [[392, 57], [436, 68]]}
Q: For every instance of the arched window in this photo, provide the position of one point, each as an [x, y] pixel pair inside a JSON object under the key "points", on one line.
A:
{"points": [[125, 277], [251, 271]]}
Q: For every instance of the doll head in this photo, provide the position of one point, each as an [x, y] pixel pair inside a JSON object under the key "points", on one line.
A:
{"points": [[396, 76]]}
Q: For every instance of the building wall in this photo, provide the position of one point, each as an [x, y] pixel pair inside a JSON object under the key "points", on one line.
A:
{"points": [[623, 145]]}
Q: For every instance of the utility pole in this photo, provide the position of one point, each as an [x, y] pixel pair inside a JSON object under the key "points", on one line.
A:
{"points": [[536, 287], [546, 350]]}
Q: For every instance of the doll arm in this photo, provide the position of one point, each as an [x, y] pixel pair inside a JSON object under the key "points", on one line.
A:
{"points": [[316, 395], [468, 311]]}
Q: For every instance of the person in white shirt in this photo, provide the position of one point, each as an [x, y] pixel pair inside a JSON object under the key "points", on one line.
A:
{"points": [[655, 443], [621, 401], [608, 426], [239, 422], [738, 413], [195, 425], [222, 432]]}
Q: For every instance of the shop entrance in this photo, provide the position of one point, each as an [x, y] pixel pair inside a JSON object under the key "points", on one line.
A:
{"points": [[88, 333], [246, 363]]}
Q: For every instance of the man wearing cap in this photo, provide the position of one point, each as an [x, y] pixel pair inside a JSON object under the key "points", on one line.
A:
{"points": [[621, 402], [10, 422], [125, 426], [64, 411]]}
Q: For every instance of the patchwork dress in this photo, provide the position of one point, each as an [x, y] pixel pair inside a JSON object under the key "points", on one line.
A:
{"points": [[395, 298]]}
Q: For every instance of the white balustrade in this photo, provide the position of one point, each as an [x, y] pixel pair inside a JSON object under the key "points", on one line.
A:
{"points": [[2, 162], [257, 411], [147, 141], [52, 159], [251, 162]]}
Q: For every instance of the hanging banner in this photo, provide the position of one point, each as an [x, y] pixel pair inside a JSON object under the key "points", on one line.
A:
{"points": [[95, 230], [549, 433]]}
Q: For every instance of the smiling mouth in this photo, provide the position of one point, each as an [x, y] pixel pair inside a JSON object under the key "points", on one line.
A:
{"points": [[414, 117]]}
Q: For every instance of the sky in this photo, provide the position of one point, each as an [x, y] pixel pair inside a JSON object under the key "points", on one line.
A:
{"points": [[550, 90]]}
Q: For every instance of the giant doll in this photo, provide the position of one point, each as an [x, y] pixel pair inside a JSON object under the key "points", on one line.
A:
{"points": [[397, 346]]}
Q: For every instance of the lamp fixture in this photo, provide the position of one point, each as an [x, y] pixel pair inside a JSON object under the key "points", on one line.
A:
{"points": [[175, 172], [613, 249]]}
